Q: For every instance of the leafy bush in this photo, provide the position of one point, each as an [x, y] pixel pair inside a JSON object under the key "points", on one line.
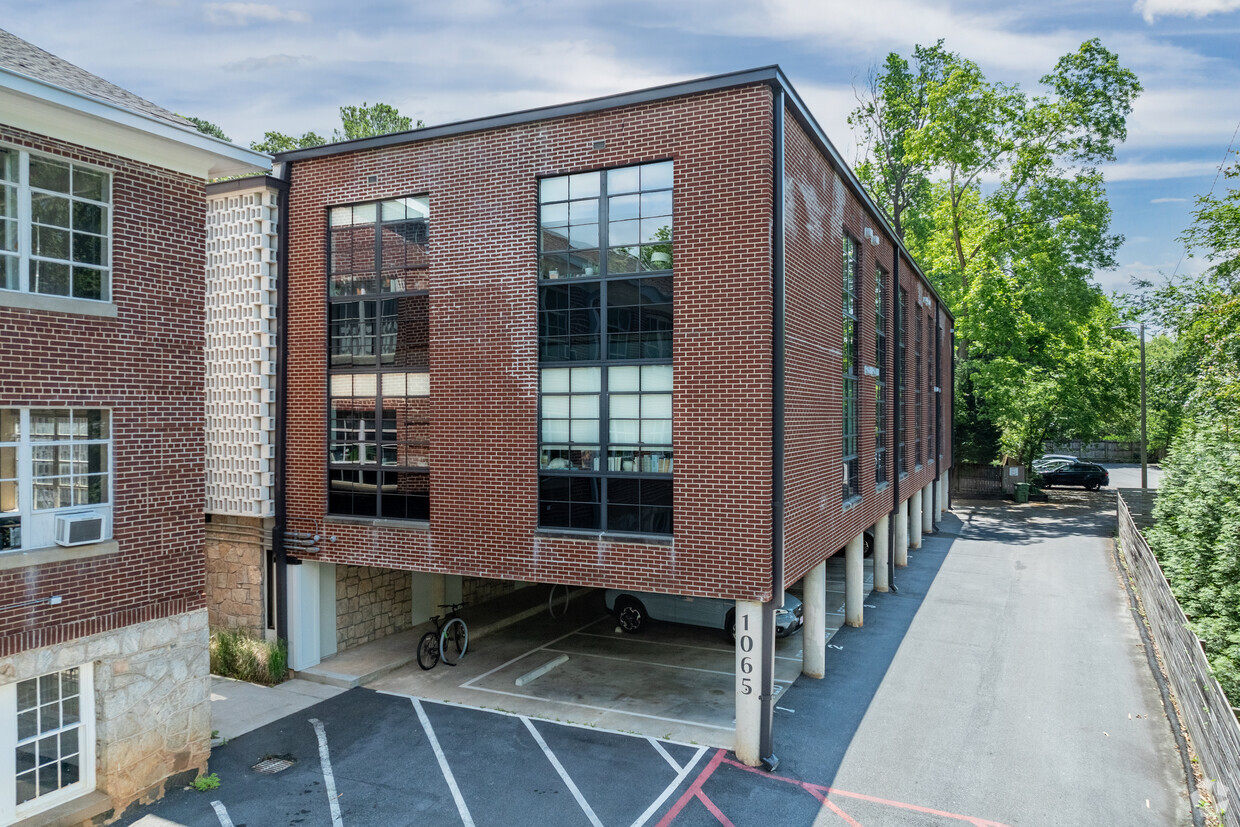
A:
{"points": [[1197, 540], [235, 653], [206, 783]]}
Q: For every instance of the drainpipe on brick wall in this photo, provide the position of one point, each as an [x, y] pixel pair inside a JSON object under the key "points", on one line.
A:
{"points": [[936, 506], [894, 415], [281, 171], [951, 377], [766, 747]]}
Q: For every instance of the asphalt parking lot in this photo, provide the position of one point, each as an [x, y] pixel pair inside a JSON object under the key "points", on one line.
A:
{"points": [[364, 757]]}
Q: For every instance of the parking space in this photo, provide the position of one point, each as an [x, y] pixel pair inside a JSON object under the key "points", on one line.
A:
{"points": [[668, 681], [368, 758]]}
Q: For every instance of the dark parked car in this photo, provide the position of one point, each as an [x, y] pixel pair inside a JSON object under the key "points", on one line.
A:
{"points": [[1087, 474]]}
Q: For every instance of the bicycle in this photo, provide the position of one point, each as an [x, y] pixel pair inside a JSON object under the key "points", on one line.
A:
{"points": [[447, 642]]}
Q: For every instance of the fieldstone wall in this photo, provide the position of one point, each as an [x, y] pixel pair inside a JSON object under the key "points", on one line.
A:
{"points": [[371, 603], [475, 590], [236, 568], [152, 701]]}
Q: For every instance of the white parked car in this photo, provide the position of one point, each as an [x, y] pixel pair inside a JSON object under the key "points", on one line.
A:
{"points": [[633, 609]]}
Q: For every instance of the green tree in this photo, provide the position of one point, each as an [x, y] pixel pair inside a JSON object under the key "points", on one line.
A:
{"points": [[274, 142], [997, 194], [207, 128], [368, 120]]}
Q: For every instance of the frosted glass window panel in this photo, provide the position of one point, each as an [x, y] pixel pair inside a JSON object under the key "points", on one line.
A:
{"points": [[585, 407], [625, 430], [625, 405], [555, 380], [585, 380], [657, 406], [555, 430], [656, 432], [624, 378], [555, 407], [584, 430], [657, 378]]}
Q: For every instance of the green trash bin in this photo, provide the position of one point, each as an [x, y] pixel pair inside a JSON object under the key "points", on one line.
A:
{"points": [[1022, 492]]}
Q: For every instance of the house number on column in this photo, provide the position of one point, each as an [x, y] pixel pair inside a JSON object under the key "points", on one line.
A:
{"points": [[745, 642]]}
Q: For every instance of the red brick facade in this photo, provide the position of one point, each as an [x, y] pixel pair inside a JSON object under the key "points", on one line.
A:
{"points": [[146, 364], [483, 288]]}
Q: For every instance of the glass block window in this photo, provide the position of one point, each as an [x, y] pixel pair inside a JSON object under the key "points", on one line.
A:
{"points": [[50, 750], [880, 382], [852, 270], [605, 348], [61, 244]]}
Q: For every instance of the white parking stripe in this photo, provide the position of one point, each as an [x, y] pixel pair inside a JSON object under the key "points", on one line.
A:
{"points": [[659, 748], [650, 663], [555, 762], [329, 780], [680, 777], [221, 814], [603, 709], [443, 764], [469, 683]]}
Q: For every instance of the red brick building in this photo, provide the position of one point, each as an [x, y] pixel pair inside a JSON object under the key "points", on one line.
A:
{"points": [[660, 341], [103, 634]]}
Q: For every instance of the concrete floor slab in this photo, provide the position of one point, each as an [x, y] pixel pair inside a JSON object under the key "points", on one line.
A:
{"points": [[238, 707]]}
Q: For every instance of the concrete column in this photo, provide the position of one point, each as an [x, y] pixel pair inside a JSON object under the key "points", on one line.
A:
{"points": [[927, 508], [901, 549], [881, 552], [914, 520], [748, 682], [854, 581], [814, 631], [946, 490]]}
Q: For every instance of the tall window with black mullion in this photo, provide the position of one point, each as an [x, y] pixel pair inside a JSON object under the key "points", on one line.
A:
{"points": [[918, 457], [901, 372], [852, 273], [880, 382], [605, 350], [378, 360]]}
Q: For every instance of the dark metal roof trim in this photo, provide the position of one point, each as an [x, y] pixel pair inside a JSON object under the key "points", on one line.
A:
{"points": [[246, 183], [766, 74]]}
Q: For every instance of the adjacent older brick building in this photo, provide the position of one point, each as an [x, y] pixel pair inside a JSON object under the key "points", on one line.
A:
{"points": [[103, 632], [659, 341]]}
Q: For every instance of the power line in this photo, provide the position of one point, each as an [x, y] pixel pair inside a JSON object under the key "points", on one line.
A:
{"points": [[1213, 184]]}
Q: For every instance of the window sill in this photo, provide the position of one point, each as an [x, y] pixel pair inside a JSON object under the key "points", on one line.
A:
{"points": [[56, 304], [882, 486], [852, 502], [55, 554], [381, 522], [81, 810], [611, 537], [916, 468]]}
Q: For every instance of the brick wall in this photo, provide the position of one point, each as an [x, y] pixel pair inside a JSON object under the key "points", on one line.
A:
{"points": [[147, 366], [483, 302]]}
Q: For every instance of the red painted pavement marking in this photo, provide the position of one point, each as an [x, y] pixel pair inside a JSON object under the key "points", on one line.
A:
{"points": [[716, 812], [852, 822], [694, 789]]}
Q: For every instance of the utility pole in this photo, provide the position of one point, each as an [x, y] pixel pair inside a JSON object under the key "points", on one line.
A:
{"points": [[1144, 466]]}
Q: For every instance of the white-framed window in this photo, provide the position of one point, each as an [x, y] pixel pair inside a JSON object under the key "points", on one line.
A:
{"points": [[55, 226], [47, 741], [54, 462]]}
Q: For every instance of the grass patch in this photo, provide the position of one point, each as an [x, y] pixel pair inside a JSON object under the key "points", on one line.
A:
{"points": [[235, 653]]}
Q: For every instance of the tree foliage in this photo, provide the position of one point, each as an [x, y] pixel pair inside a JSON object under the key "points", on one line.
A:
{"points": [[207, 128], [1197, 530], [365, 121], [997, 194]]}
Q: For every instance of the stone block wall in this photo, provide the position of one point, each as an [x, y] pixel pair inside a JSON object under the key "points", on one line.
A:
{"points": [[236, 563], [371, 603], [152, 700]]}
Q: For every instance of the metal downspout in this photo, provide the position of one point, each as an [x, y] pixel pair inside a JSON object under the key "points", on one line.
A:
{"points": [[282, 171], [895, 424], [778, 373]]}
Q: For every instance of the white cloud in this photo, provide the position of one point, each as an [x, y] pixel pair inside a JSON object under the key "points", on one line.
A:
{"points": [[268, 63], [242, 14], [1151, 9], [1158, 170], [1166, 201]]}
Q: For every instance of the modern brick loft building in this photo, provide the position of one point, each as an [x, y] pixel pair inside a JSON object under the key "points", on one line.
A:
{"points": [[660, 341], [103, 629]]}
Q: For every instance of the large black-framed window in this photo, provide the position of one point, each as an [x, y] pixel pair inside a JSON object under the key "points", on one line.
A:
{"points": [[851, 282], [605, 350], [901, 381], [918, 457], [880, 381], [938, 397], [378, 360]]}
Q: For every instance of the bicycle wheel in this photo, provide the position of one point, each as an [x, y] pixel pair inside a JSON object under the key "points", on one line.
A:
{"points": [[557, 601], [428, 650], [453, 640]]}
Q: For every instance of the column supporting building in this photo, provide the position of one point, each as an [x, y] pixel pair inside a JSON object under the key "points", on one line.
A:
{"points": [[854, 581], [814, 631], [881, 553]]}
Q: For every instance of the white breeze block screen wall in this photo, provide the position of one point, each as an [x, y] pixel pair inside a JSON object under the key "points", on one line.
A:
{"points": [[241, 350]]}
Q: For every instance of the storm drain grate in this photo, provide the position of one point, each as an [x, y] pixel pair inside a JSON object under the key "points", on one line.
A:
{"points": [[274, 764]]}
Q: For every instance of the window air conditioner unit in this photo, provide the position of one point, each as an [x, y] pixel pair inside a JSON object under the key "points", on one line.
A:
{"points": [[79, 529]]}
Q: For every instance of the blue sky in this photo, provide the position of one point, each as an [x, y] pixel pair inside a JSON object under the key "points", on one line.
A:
{"points": [[254, 66]]}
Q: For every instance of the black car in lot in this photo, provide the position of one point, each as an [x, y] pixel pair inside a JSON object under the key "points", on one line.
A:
{"points": [[1089, 475]]}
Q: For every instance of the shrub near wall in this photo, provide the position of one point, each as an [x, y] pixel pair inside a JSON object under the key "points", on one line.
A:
{"points": [[1196, 537]]}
